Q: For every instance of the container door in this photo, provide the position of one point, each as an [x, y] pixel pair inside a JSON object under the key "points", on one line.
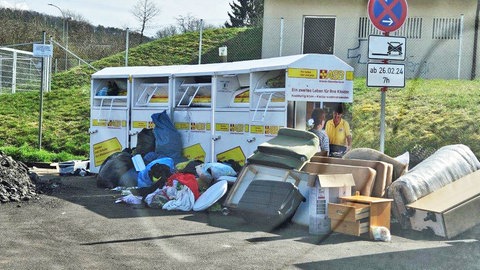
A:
{"points": [[108, 134], [150, 96], [268, 107], [231, 134], [192, 115], [109, 119]]}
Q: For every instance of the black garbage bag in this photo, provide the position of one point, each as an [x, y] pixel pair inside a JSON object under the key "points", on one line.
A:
{"points": [[129, 178], [145, 142], [168, 141], [112, 169]]}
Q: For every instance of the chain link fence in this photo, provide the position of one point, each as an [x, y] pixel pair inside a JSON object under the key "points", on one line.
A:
{"points": [[436, 48], [19, 71], [440, 48]]}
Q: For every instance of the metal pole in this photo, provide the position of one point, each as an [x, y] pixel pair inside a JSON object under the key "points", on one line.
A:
{"points": [[40, 115], [382, 110], [281, 36], [382, 121], [126, 46], [14, 73], [200, 43], [65, 42], [460, 46]]}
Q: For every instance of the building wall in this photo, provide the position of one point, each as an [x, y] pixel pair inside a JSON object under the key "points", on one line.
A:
{"points": [[432, 50]]}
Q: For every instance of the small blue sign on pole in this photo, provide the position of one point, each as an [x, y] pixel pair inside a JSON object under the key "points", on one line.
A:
{"points": [[42, 50], [387, 15]]}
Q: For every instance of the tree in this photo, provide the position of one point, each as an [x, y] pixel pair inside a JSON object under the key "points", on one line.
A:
{"points": [[184, 25], [166, 31], [245, 13], [144, 11]]}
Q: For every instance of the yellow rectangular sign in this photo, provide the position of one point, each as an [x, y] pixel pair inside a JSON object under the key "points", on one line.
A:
{"points": [[302, 73]]}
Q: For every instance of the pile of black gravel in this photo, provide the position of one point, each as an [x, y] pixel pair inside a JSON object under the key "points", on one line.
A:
{"points": [[16, 181]]}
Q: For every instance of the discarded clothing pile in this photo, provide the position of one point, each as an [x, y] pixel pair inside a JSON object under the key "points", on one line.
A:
{"points": [[183, 189]]}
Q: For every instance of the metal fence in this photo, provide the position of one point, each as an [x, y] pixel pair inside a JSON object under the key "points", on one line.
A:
{"points": [[19, 71]]}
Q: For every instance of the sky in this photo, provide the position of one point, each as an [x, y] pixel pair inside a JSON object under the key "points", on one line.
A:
{"points": [[118, 13]]}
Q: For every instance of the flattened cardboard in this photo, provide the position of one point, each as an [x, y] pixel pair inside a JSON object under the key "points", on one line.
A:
{"points": [[384, 171]]}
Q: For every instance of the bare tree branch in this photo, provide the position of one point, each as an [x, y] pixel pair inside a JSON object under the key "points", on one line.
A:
{"points": [[144, 11]]}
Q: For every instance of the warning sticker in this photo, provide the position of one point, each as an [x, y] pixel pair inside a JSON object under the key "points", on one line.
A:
{"points": [[271, 130], [236, 128], [256, 129], [182, 126], [222, 127], [198, 126], [102, 150], [194, 152], [235, 153]]}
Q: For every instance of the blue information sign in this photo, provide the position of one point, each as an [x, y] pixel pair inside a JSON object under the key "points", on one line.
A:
{"points": [[387, 15]]}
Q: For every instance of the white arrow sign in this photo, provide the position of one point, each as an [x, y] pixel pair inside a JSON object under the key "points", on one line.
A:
{"points": [[389, 21]]}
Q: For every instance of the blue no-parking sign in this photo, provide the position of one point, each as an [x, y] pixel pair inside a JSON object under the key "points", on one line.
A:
{"points": [[387, 15]]}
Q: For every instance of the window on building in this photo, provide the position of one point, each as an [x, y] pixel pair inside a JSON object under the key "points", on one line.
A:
{"points": [[318, 34], [412, 28], [446, 28]]}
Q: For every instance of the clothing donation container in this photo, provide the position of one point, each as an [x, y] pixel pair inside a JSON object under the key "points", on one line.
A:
{"points": [[109, 114], [192, 110], [222, 111], [151, 93]]}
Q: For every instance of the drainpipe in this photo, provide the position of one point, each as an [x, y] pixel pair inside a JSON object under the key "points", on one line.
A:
{"points": [[475, 43]]}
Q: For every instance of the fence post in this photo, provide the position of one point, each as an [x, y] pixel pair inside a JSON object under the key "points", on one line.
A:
{"points": [[127, 37], [200, 43], [281, 36], [460, 47], [40, 115], [14, 73]]}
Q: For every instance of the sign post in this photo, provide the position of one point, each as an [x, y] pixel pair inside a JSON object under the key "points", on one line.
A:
{"points": [[387, 16], [42, 50]]}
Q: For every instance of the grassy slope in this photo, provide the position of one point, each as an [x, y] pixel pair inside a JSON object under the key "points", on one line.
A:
{"points": [[420, 118]]}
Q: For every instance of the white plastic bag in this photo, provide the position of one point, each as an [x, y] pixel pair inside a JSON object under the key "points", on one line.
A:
{"points": [[381, 233]]}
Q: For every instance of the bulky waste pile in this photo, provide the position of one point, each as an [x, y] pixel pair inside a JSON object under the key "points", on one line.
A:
{"points": [[15, 181]]}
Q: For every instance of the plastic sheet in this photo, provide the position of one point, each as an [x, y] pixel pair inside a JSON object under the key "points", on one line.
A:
{"points": [[168, 142]]}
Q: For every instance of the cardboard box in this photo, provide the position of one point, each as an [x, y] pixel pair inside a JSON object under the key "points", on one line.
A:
{"points": [[364, 177], [323, 190]]}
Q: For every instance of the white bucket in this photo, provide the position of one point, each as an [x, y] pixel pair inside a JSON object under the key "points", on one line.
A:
{"points": [[138, 162]]}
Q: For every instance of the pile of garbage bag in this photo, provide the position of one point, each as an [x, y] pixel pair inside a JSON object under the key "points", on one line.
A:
{"points": [[164, 178]]}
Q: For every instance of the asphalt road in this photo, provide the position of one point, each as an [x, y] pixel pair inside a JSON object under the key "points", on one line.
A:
{"points": [[78, 226]]}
